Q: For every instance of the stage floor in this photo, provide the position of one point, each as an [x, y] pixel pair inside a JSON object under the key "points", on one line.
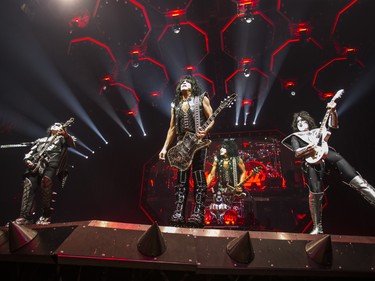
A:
{"points": [[143, 248]]}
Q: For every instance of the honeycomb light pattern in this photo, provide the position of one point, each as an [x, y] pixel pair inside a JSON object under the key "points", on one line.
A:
{"points": [[301, 42], [214, 40]]}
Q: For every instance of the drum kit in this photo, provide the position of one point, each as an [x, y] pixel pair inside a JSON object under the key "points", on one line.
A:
{"points": [[225, 211], [265, 154]]}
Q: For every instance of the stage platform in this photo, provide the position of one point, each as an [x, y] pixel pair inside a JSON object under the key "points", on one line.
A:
{"points": [[102, 250]]}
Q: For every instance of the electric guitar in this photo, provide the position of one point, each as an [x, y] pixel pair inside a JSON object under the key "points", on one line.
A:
{"points": [[181, 155], [40, 160], [321, 136], [254, 172]]}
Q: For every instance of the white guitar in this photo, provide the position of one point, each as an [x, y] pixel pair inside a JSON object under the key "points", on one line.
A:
{"points": [[321, 136]]}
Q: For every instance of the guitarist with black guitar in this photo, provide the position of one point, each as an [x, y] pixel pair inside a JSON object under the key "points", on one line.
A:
{"points": [[45, 160], [309, 143], [190, 109]]}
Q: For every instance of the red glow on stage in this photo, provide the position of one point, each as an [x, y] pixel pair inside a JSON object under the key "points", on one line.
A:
{"points": [[230, 217]]}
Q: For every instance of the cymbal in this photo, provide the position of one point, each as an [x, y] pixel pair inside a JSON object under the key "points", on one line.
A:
{"points": [[265, 144]]}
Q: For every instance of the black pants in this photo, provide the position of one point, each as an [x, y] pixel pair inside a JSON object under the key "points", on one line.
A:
{"points": [[314, 173]]}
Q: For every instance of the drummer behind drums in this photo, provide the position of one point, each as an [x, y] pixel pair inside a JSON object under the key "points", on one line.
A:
{"points": [[218, 207]]}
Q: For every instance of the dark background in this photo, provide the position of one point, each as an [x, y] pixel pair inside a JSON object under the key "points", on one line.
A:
{"points": [[51, 71]]}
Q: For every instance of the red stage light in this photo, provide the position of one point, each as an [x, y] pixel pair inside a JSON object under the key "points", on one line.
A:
{"points": [[230, 217], [208, 217]]}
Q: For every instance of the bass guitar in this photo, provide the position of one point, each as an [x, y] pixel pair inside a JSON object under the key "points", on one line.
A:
{"points": [[40, 160], [321, 136], [181, 155]]}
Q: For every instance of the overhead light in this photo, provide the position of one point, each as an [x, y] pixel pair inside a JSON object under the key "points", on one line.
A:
{"points": [[249, 16], [189, 70], [106, 84], [174, 19], [247, 102], [176, 28], [135, 59], [290, 87], [246, 70], [135, 63], [351, 55], [303, 32]]}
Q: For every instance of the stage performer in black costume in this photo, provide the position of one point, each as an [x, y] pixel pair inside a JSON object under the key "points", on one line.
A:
{"points": [[303, 143], [229, 169], [189, 111], [45, 162]]}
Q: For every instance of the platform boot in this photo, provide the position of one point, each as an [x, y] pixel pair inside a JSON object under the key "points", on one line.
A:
{"points": [[182, 189], [196, 220], [46, 191], [315, 204], [364, 188], [28, 195]]}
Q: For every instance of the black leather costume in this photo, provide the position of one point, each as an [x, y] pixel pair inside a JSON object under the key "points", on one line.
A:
{"points": [[227, 176], [188, 122], [50, 156]]}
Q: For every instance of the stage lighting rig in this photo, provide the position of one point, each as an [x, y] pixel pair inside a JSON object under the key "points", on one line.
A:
{"points": [[106, 84], [246, 9], [249, 16], [290, 87], [176, 28], [246, 67], [135, 59], [174, 19]]}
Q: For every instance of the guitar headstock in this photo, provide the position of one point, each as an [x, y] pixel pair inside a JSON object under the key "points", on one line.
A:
{"points": [[69, 122], [228, 101], [256, 170], [338, 94]]}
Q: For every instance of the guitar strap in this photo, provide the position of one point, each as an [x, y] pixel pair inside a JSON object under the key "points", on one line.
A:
{"points": [[45, 145], [234, 164], [197, 117]]}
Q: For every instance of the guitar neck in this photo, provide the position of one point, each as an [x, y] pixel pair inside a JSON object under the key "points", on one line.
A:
{"points": [[211, 118], [325, 119], [253, 173]]}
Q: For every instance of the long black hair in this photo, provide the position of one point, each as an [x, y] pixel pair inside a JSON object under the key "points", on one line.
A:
{"points": [[305, 116], [231, 146], [196, 90]]}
